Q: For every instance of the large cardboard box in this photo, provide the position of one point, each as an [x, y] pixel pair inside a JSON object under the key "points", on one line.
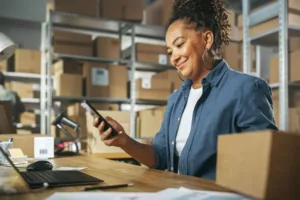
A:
{"points": [[72, 43], [69, 85], [149, 122], [262, 164], [293, 69], [26, 60], [82, 7], [67, 67], [158, 12], [154, 88], [24, 90], [294, 120], [28, 118], [95, 145], [131, 10], [3, 66], [77, 110], [106, 47], [32, 144], [103, 80], [173, 78]]}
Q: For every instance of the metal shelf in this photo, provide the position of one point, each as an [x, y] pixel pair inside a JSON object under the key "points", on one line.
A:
{"points": [[23, 77], [270, 38], [96, 25], [236, 5], [57, 56], [291, 84], [151, 102], [152, 67], [27, 126]]}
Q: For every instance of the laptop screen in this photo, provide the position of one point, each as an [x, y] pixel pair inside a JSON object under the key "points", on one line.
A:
{"points": [[10, 177]]}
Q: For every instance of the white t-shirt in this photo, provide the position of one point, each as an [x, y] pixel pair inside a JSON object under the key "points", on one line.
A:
{"points": [[186, 119]]}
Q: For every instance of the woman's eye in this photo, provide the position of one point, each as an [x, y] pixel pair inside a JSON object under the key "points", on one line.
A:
{"points": [[179, 45], [169, 53]]}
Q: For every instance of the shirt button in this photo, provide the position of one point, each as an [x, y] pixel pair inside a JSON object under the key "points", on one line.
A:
{"points": [[178, 118], [172, 142], [172, 169]]}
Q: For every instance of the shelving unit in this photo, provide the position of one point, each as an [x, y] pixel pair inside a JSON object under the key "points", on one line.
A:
{"points": [[275, 37], [94, 26]]}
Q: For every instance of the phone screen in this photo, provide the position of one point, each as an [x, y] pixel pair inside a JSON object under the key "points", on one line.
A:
{"points": [[90, 109]]}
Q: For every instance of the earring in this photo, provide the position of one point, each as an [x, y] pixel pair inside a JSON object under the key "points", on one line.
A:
{"points": [[203, 58]]}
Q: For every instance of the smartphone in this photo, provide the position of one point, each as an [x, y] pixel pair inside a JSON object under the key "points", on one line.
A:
{"points": [[89, 108]]}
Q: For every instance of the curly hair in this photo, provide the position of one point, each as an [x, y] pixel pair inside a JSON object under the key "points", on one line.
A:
{"points": [[210, 14]]}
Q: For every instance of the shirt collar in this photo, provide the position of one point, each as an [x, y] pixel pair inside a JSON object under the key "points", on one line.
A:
{"points": [[212, 77]]}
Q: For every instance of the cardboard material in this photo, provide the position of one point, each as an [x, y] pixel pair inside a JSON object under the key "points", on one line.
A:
{"points": [[294, 70], [24, 90], [75, 110], [82, 7], [150, 53], [28, 118], [69, 85], [104, 80], [95, 145], [106, 47], [131, 10], [294, 120], [24, 142], [262, 164], [158, 12], [149, 122], [173, 78], [72, 43], [3, 66], [67, 67], [154, 88], [26, 60]]}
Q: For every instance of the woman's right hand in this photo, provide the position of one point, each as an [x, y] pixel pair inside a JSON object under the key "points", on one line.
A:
{"points": [[119, 141]]}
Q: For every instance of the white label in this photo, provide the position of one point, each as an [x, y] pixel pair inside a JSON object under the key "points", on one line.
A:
{"points": [[44, 147], [146, 83], [100, 77], [162, 59]]}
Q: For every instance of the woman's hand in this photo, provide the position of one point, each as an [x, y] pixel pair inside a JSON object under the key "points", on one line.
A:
{"points": [[119, 141]]}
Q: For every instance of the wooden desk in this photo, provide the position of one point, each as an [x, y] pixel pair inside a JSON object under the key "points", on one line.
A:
{"points": [[112, 172]]}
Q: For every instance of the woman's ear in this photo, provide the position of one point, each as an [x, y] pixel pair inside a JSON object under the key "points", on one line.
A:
{"points": [[208, 39]]}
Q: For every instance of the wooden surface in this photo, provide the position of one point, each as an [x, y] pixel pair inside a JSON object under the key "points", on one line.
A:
{"points": [[113, 155], [112, 172]]}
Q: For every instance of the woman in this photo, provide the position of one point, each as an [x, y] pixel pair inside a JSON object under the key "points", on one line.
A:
{"points": [[213, 100]]}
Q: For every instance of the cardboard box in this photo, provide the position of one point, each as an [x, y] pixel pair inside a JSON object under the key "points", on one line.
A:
{"points": [[67, 67], [72, 43], [150, 53], [24, 90], [131, 10], [294, 120], [293, 70], [262, 164], [69, 85], [95, 145], [82, 7], [155, 88], [150, 121], [77, 110], [158, 12], [103, 80], [32, 144], [26, 60], [28, 118], [173, 78], [3, 66], [106, 47]]}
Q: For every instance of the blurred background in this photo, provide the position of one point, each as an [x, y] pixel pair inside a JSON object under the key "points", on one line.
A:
{"points": [[112, 53]]}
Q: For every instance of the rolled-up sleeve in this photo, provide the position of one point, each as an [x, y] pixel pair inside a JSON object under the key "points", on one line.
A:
{"points": [[255, 111]]}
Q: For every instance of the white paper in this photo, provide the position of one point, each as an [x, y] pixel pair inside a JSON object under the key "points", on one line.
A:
{"points": [[97, 195], [163, 59], [100, 77], [43, 147], [69, 168], [146, 83]]}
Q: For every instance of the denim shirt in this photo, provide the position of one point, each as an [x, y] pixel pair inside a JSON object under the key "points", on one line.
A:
{"points": [[232, 102]]}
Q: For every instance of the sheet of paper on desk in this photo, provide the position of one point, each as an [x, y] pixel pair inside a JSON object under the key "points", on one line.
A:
{"points": [[97, 195]]}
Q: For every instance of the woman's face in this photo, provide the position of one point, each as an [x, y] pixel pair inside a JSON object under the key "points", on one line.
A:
{"points": [[186, 47]]}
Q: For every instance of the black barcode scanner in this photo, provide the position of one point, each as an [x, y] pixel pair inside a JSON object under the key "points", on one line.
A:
{"points": [[40, 165]]}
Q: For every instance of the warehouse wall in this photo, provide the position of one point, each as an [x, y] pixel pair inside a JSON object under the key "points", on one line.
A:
{"points": [[21, 21]]}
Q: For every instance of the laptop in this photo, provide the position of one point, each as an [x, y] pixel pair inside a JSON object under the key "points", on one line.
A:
{"points": [[49, 178]]}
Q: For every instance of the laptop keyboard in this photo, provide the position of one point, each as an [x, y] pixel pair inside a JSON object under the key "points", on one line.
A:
{"points": [[41, 176]]}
